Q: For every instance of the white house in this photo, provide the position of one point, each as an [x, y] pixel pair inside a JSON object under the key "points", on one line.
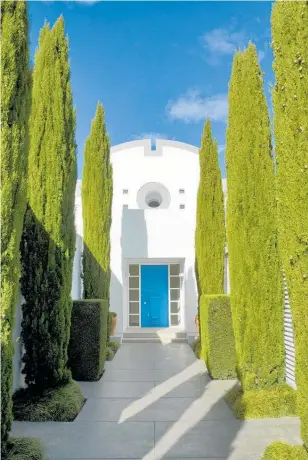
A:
{"points": [[152, 256], [153, 285]]}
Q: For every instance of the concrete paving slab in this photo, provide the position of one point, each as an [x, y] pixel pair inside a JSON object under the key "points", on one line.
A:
{"points": [[89, 440], [129, 375], [157, 401], [116, 389], [192, 388], [166, 409], [224, 438]]}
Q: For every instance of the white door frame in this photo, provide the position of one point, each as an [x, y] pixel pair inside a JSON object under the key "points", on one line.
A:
{"points": [[153, 261]]}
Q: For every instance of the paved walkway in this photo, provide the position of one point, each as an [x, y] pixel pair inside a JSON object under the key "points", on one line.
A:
{"points": [[156, 401]]}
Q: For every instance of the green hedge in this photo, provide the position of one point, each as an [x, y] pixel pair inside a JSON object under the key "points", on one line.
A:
{"points": [[274, 402], [210, 236], [15, 109], [96, 209], [48, 240], [282, 451], [25, 449], [87, 347], [217, 338], [196, 347], [59, 404], [255, 267], [289, 30]]}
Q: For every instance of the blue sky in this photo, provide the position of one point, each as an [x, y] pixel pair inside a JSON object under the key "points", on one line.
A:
{"points": [[159, 68]]}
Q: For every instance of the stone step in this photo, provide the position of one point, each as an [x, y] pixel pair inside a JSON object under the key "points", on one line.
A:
{"points": [[154, 339], [153, 335]]}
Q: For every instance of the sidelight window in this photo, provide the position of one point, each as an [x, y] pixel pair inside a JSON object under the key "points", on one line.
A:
{"points": [[175, 284], [134, 295]]}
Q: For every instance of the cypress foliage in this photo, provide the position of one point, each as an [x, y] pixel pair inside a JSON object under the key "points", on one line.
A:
{"points": [[210, 227], [15, 106], [48, 241], [96, 209], [255, 270], [290, 97]]}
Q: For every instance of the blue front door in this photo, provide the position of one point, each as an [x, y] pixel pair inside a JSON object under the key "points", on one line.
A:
{"points": [[154, 296]]}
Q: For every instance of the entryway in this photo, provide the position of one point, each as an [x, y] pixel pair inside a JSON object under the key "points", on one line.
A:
{"points": [[155, 294]]}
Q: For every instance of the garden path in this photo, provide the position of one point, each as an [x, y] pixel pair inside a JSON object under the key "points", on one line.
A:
{"points": [[156, 401]]}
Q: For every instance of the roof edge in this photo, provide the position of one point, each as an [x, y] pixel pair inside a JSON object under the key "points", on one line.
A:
{"points": [[160, 143]]}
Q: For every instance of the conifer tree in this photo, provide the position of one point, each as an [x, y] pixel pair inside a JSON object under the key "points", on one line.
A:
{"points": [[255, 271], [48, 241], [96, 209], [15, 108], [290, 97], [210, 227]]}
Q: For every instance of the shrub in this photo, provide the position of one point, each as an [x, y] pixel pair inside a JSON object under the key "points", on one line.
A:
{"points": [[196, 346], [96, 209], [25, 449], [61, 404], [111, 315], [87, 347], [109, 354], [15, 109], [274, 402], [255, 268], [282, 451], [217, 339], [48, 241], [289, 26], [210, 225], [114, 346]]}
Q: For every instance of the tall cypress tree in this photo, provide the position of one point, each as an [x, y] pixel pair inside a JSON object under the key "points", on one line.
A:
{"points": [[255, 271], [96, 209], [48, 241], [290, 97], [15, 109], [210, 227]]}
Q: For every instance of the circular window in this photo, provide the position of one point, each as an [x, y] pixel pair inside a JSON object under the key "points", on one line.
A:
{"points": [[153, 199], [153, 195]]}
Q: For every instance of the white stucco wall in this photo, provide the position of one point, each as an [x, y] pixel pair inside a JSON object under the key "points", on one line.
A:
{"points": [[76, 292], [161, 234]]}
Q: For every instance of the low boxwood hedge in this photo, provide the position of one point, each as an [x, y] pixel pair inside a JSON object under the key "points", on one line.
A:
{"points": [[272, 402], [282, 451], [217, 339], [87, 347], [24, 449], [60, 404]]}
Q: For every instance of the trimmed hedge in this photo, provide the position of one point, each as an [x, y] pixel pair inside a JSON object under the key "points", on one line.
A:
{"points": [[48, 241], [15, 110], [60, 404], [25, 449], [217, 338], [282, 451], [274, 402], [96, 209], [87, 347], [210, 235], [255, 267], [290, 96]]}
